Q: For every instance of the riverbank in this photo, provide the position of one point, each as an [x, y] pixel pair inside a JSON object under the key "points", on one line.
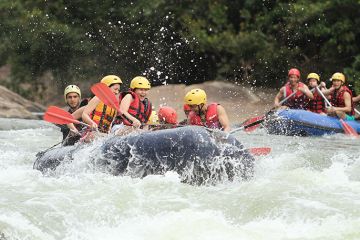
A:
{"points": [[12, 105]]}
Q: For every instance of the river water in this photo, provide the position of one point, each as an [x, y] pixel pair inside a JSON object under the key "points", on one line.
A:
{"points": [[307, 188]]}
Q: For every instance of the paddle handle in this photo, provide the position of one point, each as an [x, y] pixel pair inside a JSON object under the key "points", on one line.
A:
{"points": [[82, 123]]}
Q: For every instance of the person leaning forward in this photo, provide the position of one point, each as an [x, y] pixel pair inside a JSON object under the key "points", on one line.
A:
{"points": [[99, 115], [211, 116], [134, 106]]}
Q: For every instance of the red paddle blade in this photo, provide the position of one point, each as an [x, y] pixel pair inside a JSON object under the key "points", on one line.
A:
{"points": [[252, 120], [59, 116], [104, 93], [262, 151], [348, 129]]}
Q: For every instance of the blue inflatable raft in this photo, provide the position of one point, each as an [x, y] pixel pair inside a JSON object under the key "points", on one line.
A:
{"points": [[295, 122]]}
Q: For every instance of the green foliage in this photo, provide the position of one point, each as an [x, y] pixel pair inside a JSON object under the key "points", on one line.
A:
{"points": [[173, 41]]}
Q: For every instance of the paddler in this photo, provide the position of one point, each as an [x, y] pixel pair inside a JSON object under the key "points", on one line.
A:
{"points": [[301, 96], [98, 115], [340, 98], [211, 116], [317, 104], [72, 96], [135, 107], [167, 115], [167, 118]]}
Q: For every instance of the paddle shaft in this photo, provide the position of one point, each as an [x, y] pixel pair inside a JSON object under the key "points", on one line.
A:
{"points": [[323, 96], [287, 98], [263, 119], [247, 126]]}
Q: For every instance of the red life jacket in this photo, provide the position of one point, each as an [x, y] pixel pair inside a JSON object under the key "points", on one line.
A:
{"points": [[211, 117], [316, 105], [298, 100], [141, 110], [337, 99]]}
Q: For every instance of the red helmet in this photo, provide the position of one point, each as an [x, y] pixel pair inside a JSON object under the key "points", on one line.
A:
{"points": [[167, 115], [294, 71], [187, 107]]}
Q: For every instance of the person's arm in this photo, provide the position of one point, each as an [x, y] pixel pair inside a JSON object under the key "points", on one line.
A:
{"points": [[327, 92], [72, 127], [78, 113], [223, 118], [356, 99], [88, 110], [305, 90], [278, 97], [124, 108], [322, 86]]}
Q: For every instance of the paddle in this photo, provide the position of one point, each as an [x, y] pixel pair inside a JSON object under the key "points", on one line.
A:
{"points": [[260, 119], [346, 127], [105, 95], [59, 116], [260, 151]]}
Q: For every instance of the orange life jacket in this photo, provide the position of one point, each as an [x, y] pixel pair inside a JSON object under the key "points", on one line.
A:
{"points": [[298, 100], [211, 117], [103, 115], [316, 105], [141, 110], [337, 99]]}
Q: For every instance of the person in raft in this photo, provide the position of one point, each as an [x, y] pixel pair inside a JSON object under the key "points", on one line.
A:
{"points": [[98, 115], [317, 104], [301, 96], [167, 115], [167, 118], [72, 96], [211, 116], [340, 98], [135, 108]]}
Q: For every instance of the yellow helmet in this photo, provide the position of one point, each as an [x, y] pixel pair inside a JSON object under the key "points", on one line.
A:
{"points": [[338, 76], [313, 75], [153, 119], [195, 97], [140, 82], [72, 89], [111, 79]]}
